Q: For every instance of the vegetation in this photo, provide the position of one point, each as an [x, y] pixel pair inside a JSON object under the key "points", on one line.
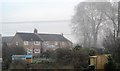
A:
{"points": [[19, 65], [6, 55], [110, 65], [61, 58], [64, 56], [112, 47], [18, 50], [93, 21], [99, 25]]}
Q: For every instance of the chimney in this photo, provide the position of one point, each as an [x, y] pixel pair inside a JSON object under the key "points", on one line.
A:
{"points": [[62, 34], [35, 31]]}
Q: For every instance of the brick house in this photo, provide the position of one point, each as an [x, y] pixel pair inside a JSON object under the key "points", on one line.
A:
{"points": [[37, 42], [29, 41], [54, 41]]}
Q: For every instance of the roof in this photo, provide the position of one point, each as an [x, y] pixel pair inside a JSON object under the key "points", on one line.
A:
{"points": [[7, 39], [42, 37], [29, 37], [52, 37]]}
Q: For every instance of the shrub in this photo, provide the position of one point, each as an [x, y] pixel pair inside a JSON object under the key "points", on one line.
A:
{"points": [[110, 65], [64, 56]]}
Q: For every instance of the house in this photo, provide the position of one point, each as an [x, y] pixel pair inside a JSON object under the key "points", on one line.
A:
{"points": [[54, 41], [7, 40], [36, 43], [29, 41]]}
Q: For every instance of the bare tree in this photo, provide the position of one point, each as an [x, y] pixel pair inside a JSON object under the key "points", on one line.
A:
{"points": [[87, 21], [112, 41], [111, 12]]}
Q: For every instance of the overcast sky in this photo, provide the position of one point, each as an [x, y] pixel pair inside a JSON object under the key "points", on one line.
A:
{"points": [[37, 10], [20, 11], [48, 16]]}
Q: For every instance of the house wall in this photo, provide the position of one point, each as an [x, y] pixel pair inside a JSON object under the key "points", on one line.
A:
{"points": [[65, 44], [50, 45], [18, 39], [56, 44], [32, 46], [46, 45]]}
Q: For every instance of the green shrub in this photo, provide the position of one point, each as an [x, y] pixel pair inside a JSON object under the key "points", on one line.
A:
{"points": [[110, 65]]}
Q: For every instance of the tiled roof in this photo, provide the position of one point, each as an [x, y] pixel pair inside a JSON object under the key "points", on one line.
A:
{"points": [[52, 37], [29, 37], [7, 39], [42, 37]]}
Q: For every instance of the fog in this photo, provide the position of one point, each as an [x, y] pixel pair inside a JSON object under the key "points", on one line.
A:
{"points": [[50, 27]]}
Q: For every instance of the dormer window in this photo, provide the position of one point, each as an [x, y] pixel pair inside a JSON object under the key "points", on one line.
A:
{"points": [[36, 43], [25, 42]]}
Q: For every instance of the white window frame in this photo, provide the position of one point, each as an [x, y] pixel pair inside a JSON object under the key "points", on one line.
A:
{"points": [[36, 42], [29, 51], [63, 43], [16, 43], [38, 50], [46, 43], [56, 43], [26, 43]]}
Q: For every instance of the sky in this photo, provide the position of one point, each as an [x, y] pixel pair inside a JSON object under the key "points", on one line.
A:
{"points": [[37, 10], [48, 16]]}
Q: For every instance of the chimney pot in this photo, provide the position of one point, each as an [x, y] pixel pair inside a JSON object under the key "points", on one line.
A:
{"points": [[35, 31]]}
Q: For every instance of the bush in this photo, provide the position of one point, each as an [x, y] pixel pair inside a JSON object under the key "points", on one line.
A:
{"points": [[19, 65], [18, 50], [48, 54], [64, 56], [6, 55], [110, 65], [80, 58]]}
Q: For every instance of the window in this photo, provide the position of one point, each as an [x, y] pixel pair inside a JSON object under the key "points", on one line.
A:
{"points": [[63, 43], [29, 51], [56, 43], [16, 43], [36, 50], [46, 43], [51, 46], [36, 43], [25, 42]]}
